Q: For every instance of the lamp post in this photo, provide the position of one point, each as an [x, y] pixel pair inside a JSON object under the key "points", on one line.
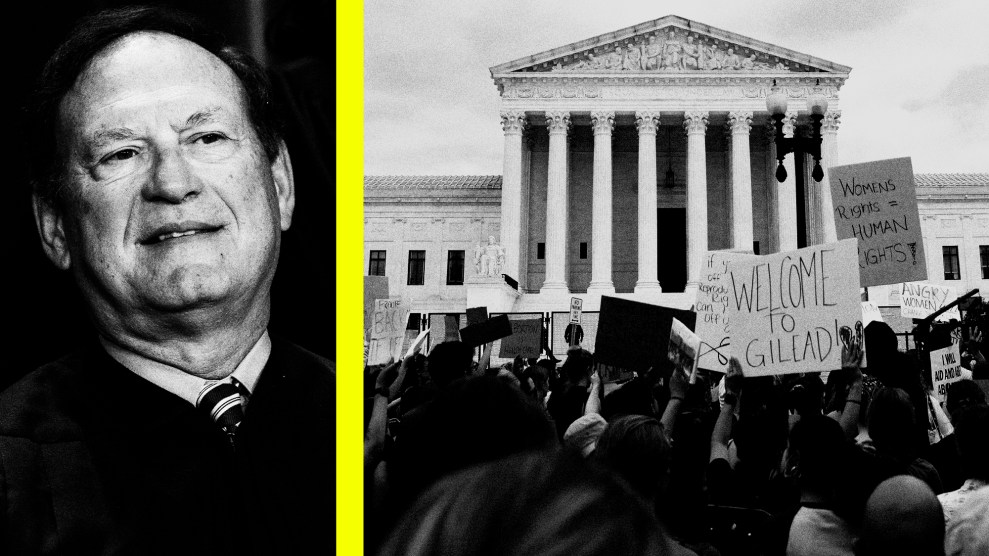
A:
{"points": [[817, 105]]}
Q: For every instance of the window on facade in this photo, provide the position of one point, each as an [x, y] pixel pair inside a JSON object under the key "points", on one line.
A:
{"points": [[952, 270], [583, 250], [455, 268], [377, 265], [540, 250], [417, 268], [984, 260]]}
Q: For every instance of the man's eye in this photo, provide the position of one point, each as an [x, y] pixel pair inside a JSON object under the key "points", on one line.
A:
{"points": [[119, 156], [209, 138]]}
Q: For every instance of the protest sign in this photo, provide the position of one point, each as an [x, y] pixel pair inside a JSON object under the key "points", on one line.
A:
{"points": [[870, 313], [388, 322], [876, 202], [476, 315], [576, 304], [920, 299], [712, 310], [525, 339], [633, 335], [375, 287], [683, 349], [443, 328], [487, 331], [945, 369], [786, 309]]}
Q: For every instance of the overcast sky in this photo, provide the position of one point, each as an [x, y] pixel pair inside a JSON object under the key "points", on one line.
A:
{"points": [[919, 84]]}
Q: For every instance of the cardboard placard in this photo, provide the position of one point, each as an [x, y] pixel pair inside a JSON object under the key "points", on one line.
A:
{"points": [[683, 349], [576, 306], [443, 328], [712, 310], [945, 369], [525, 339], [870, 313], [920, 299], [476, 315], [388, 322], [487, 331], [786, 309], [876, 202], [633, 335], [375, 287]]}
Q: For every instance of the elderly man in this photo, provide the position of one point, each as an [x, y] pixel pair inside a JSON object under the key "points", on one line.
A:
{"points": [[162, 186]]}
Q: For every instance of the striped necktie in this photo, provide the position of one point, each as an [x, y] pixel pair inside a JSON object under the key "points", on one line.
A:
{"points": [[221, 400]]}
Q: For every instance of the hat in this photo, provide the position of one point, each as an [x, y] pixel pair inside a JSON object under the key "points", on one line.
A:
{"points": [[583, 433]]}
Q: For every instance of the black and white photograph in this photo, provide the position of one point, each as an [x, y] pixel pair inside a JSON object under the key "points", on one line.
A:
{"points": [[830, 156], [169, 384]]}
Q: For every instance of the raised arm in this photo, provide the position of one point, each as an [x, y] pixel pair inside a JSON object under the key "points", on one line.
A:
{"points": [[377, 428], [851, 362], [722, 428], [594, 397], [678, 391]]}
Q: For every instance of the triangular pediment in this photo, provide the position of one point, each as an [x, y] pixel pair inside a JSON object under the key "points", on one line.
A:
{"points": [[669, 45]]}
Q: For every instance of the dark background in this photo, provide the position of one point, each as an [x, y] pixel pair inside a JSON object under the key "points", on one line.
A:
{"points": [[294, 39]]}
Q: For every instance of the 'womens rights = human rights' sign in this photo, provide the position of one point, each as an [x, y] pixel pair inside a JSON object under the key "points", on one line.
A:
{"points": [[786, 309], [876, 203]]}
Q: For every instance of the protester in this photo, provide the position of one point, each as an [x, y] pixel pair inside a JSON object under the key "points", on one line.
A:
{"points": [[794, 464]]}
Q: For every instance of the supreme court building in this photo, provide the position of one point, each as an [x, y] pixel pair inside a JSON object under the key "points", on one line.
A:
{"points": [[626, 157]]}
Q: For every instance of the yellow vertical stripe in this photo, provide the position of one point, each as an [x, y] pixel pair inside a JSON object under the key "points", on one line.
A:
{"points": [[350, 241]]}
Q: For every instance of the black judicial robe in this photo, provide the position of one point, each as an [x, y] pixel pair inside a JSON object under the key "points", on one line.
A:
{"points": [[96, 460]]}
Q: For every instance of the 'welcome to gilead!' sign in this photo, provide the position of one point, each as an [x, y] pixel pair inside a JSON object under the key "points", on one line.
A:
{"points": [[786, 309]]}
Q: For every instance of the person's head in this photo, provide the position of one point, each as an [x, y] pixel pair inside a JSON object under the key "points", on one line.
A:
{"points": [[535, 503], [583, 433], [160, 178], [636, 447], [961, 394], [972, 436], [902, 516], [814, 452], [449, 361], [578, 365], [891, 422], [491, 240]]}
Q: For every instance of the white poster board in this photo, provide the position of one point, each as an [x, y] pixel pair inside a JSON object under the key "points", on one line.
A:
{"points": [[870, 313], [945, 369], [876, 202], [683, 348], [387, 328], [786, 309], [711, 307], [920, 299]]}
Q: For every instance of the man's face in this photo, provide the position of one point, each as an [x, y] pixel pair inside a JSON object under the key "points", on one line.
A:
{"points": [[172, 204]]}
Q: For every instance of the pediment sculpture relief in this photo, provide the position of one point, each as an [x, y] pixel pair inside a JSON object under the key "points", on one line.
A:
{"points": [[671, 54]]}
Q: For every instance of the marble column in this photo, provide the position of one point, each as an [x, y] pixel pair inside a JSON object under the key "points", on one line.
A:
{"points": [[556, 204], [786, 195], [772, 220], [696, 124], [741, 180], [648, 280], [513, 123], [601, 283], [829, 149]]}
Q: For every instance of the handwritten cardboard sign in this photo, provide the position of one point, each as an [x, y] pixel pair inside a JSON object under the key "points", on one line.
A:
{"points": [[487, 331], [945, 369], [576, 305], [683, 349], [786, 309], [876, 203], [920, 299], [388, 323], [633, 335], [712, 310], [525, 339], [375, 287], [870, 313]]}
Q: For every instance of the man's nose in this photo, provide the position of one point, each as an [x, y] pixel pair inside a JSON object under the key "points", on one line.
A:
{"points": [[172, 179]]}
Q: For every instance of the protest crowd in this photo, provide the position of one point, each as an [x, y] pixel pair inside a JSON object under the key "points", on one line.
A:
{"points": [[543, 456]]}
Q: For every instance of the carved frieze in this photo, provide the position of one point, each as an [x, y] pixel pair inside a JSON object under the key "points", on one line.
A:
{"points": [[674, 50], [650, 90]]}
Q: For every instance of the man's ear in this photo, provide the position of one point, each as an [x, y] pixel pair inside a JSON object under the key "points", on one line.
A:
{"points": [[281, 170], [51, 228]]}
